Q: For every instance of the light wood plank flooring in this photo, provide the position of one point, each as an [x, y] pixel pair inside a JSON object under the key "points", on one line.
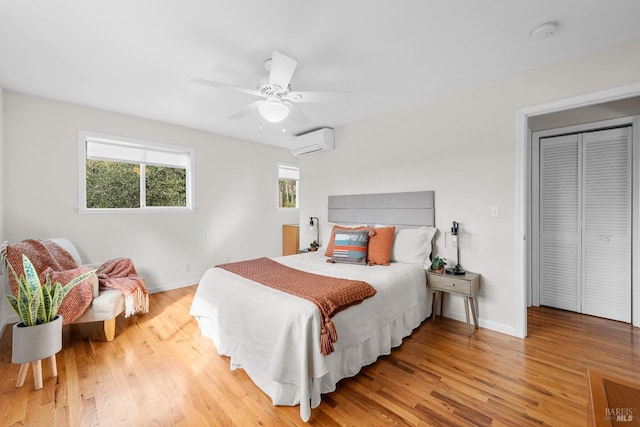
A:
{"points": [[160, 371]]}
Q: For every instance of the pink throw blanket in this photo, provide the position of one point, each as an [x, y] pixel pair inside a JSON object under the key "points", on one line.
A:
{"points": [[120, 274]]}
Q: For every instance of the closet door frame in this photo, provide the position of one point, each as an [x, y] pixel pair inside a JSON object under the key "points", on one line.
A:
{"points": [[634, 122]]}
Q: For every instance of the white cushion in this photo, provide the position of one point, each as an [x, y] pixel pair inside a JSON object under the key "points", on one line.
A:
{"points": [[106, 306]]}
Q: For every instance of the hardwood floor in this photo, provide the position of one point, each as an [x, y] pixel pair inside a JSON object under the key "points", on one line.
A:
{"points": [[160, 371]]}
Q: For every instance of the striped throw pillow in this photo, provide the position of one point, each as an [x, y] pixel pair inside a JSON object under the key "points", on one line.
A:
{"points": [[350, 246]]}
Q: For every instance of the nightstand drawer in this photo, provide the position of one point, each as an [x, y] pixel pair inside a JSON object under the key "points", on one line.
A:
{"points": [[449, 284]]}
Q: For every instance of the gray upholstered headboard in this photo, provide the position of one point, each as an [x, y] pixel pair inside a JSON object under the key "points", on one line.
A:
{"points": [[411, 208]]}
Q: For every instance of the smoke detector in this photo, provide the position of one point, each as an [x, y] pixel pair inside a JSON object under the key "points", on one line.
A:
{"points": [[544, 31]]}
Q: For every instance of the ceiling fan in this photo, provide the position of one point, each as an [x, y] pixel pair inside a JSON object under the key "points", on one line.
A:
{"points": [[279, 100]]}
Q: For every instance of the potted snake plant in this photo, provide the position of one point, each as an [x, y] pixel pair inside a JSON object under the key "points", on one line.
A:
{"points": [[38, 335]]}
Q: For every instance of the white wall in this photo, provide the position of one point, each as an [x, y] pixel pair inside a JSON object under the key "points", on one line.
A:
{"points": [[5, 310], [236, 193], [463, 147]]}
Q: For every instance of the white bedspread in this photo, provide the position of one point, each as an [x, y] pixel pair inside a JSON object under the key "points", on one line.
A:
{"points": [[275, 337]]}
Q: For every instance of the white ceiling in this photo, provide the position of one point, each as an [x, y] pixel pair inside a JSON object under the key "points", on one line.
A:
{"points": [[137, 56]]}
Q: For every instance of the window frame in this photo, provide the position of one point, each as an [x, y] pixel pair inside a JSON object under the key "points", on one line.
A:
{"points": [[84, 136], [290, 166]]}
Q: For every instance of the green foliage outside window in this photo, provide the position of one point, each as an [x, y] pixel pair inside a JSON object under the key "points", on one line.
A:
{"points": [[116, 185], [112, 185], [288, 193], [166, 186]]}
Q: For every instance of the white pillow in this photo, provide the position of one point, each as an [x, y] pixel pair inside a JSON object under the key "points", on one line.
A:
{"points": [[412, 244]]}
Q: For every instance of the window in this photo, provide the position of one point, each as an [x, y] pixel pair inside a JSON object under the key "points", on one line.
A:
{"points": [[288, 183], [125, 174]]}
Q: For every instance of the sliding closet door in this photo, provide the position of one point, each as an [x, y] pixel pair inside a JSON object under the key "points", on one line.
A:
{"points": [[607, 224], [560, 217]]}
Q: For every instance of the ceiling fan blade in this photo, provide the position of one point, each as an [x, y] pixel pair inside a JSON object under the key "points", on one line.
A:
{"points": [[296, 115], [246, 110], [320, 97], [206, 82], [282, 68]]}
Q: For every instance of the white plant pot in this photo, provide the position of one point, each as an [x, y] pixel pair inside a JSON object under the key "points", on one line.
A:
{"points": [[37, 342]]}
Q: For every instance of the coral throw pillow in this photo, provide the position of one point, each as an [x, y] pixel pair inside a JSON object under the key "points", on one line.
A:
{"points": [[380, 244]]}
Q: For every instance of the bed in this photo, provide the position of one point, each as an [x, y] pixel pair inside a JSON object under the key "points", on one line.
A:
{"points": [[274, 336]]}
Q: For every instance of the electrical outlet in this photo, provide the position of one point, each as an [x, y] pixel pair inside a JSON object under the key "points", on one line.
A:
{"points": [[495, 211], [187, 268]]}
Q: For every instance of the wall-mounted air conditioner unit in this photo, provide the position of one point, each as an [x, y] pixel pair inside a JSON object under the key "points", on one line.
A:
{"points": [[313, 142]]}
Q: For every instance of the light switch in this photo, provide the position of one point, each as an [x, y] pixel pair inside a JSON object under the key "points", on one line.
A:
{"points": [[495, 211]]}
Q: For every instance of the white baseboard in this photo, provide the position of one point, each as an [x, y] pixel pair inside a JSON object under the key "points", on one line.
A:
{"points": [[483, 323], [169, 287]]}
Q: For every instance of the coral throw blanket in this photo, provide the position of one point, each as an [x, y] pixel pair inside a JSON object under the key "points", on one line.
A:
{"points": [[49, 258], [120, 274], [329, 294]]}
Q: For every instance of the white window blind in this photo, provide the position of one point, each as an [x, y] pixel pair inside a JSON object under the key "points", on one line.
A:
{"points": [[289, 172], [118, 151]]}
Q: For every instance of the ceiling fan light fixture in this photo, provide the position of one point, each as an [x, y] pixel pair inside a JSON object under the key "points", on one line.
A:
{"points": [[273, 110]]}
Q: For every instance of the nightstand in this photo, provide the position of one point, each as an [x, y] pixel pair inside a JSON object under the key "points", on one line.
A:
{"points": [[467, 285]]}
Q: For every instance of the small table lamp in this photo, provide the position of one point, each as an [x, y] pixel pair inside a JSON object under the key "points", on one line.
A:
{"points": [[457, 269]]}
